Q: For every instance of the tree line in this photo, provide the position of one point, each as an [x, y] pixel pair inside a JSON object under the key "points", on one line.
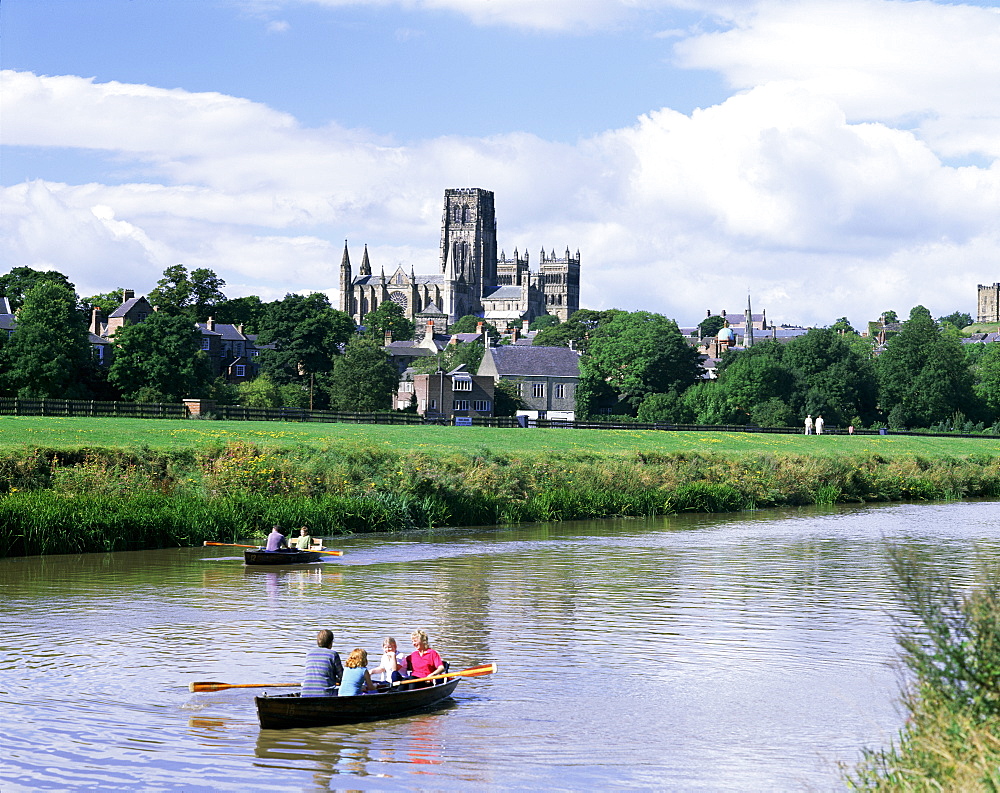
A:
{"points": [[311, 354], [638, 364]]}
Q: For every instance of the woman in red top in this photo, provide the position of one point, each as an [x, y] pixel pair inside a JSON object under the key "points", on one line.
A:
{"points": [[424, 660]]}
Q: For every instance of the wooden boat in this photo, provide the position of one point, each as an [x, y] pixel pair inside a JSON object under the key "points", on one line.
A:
{"points": [[284, 556], [290, 710]]}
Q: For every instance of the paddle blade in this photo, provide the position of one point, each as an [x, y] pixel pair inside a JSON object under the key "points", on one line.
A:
{"points": [[201, 687], [196, 688], [475, 671]]}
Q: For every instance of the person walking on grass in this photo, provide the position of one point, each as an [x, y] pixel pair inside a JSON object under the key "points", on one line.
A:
{"points": [[819, 425], [809, 424]]}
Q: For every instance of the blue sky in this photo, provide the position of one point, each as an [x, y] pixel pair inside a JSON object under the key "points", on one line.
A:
{"points": [[835, 157]]}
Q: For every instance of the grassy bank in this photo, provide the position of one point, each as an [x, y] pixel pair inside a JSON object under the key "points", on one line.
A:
{"points": [[950, 645], [106, 484]]}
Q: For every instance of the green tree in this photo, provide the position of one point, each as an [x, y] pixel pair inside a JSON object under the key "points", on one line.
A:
{"points": [[364, 378], [666, 408], [388, 318], [470, 324], [15, 284], [960, 319], [507, 398], [195, 296], [261, 392], [843, 325], [889, 317], [922, 374], [638, 354], [307, 335], [750, 383], [543, 321], [835, 378], [711, 325], [576, 331], [247, 311], [49, 354], [163, 353], [987, 376], [468, 354]]}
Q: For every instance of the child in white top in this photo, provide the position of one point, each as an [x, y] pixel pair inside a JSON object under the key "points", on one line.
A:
{"points": [[392, 665]]}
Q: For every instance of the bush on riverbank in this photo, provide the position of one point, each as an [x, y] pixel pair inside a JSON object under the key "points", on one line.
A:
{"points": [[951, 740], [99, 499]]}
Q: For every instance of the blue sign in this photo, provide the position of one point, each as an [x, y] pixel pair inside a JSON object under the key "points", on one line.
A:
{"points": [[463, 421]]}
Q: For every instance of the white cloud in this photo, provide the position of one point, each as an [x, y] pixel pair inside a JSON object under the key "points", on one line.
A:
{"points": [[909, 62], [805, 187]]}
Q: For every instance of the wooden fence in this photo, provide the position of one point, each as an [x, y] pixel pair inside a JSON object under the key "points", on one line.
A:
{"points": [[152, 410]]}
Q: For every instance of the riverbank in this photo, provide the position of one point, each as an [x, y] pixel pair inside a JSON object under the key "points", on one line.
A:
{"points": [[100, 498]]}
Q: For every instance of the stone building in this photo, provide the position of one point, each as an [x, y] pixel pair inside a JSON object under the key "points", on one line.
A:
{"points": [[989, 303], [471, 278]]}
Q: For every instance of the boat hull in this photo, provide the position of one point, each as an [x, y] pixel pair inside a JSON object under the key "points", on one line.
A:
{"points": [[259, 557], [291, 710]]}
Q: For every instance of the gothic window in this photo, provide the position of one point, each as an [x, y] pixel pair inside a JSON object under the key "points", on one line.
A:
{"points": [[465, 214], [399, 299], [399, 278], [457, 214]]}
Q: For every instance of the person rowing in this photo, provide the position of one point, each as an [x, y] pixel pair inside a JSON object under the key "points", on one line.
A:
{"points": [[276, 540]]}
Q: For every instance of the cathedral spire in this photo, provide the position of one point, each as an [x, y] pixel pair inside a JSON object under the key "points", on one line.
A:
{"points": [[748, 334], [346, 280], [366, 267]]}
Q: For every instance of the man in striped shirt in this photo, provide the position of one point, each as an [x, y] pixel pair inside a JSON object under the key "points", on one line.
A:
{"points": [[323, 668]]}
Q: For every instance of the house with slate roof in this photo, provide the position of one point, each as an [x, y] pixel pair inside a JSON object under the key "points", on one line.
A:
{"points": [[450, 394], [547, 376]]}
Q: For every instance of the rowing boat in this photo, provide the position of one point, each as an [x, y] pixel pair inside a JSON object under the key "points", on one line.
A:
{"points": [[291, 710], [284, 556]]}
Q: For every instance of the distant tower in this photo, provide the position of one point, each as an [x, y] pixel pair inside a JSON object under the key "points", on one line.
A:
{"points": [[559, 281], [346, 282], [989, 303], [469, 238], [748, 334]]}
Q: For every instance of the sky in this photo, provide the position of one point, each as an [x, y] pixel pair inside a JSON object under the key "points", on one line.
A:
{"points": [[828, 157]]}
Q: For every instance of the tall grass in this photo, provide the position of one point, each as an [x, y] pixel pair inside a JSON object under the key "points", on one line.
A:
{"points": [[951, 646], [97, 499]]}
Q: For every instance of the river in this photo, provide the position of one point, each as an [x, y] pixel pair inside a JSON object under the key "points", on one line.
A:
{"points": [[737, 652]]}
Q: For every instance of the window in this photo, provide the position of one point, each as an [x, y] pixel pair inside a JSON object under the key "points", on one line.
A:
{"points": [[434, 405], [206, 343], [241, 370], [461, 404], [406, 387], [461, 384], [254, 353], [481, 406], [560, 391], [538, 390], [141, 317]]}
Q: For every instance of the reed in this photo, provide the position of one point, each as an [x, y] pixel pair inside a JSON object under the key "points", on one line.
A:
{"points": [[950, 645], [107, 499]]}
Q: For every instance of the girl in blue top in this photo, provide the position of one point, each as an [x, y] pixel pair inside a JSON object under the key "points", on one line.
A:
{"points": [[356, 679]]}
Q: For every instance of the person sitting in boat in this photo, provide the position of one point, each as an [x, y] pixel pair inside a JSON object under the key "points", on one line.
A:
{"points": [[356, 679], [276, 540], [424, 660], [392, 665], [323, 668], [303, 541]]}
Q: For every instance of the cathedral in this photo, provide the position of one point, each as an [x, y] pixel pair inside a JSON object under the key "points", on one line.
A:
{"points": [[471, 277]]}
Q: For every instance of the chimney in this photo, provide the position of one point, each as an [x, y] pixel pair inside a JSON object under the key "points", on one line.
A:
{"points": [[708, 312], [514, 334], [479, 327], [723, 313], [96, 320], [127, 294], [210, 324], [388, 338], [454, 339], [240, 329]]}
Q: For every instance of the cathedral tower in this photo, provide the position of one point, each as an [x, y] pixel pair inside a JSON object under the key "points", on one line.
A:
{"points": [[469, 238]]}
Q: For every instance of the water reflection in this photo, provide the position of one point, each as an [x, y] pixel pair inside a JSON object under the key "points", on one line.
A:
{"points": [[742, 652]]}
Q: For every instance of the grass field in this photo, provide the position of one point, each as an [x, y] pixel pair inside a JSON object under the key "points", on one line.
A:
{"points": [[18, 433]]}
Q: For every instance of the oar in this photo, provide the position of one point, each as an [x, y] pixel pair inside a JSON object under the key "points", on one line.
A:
{"points": [[196, 688], [237, 545], [474, 671]]}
